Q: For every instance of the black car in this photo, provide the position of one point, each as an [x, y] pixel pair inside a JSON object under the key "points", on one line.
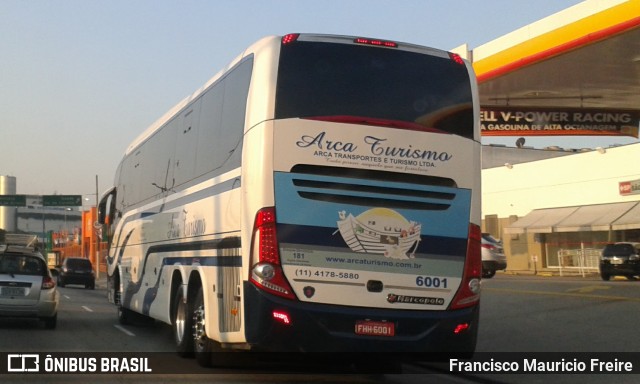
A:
{"points": [[620, 259], [76, 270]]}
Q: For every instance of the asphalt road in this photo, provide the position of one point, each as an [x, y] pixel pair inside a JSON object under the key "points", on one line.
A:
{"points": [[559, 314], [520, 316]]}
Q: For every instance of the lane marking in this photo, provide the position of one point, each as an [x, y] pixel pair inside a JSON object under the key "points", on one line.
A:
{"points": [[589, 289], [121, 328], [67, 297], [87, 309], [566, 294]]}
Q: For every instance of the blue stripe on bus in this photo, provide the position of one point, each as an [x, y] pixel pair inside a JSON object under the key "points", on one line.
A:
{"points": [[215, 261], [329, 238]]}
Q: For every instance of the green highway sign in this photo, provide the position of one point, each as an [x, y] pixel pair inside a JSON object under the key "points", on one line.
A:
{"points": [[62, 200], [13, 200]]}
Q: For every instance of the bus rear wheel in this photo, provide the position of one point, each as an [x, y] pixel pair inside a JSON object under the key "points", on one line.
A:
{"points": [[182, 325], [203, 346]]}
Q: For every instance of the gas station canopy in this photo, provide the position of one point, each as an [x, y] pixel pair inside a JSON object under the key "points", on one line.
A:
{"points": [[576, 72]]}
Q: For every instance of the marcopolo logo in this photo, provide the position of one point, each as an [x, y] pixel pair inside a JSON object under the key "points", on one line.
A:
{"points": [[393, 298]]}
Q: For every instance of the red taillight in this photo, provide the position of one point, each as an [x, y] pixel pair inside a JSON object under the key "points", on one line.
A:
{"points": [[469, 292], [290, 38], [376, 42], [266, 271], [265, 230], [48, 283], [457, 58]]}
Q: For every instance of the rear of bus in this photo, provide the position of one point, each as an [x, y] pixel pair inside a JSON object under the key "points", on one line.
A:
{"points": [[373, 240]]}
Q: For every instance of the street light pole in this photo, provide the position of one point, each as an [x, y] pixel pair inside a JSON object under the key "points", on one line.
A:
{"points": [[97, 235]]}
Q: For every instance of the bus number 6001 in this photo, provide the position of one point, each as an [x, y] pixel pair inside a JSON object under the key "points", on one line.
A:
{"points": [[431, 282]]}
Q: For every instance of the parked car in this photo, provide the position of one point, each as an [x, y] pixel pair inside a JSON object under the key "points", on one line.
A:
{"points": [[27, 289], [621, 259], [76, 270], [493, 257]]}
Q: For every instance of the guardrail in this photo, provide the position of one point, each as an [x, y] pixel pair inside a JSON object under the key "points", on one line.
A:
{"points": [[580, 260]]}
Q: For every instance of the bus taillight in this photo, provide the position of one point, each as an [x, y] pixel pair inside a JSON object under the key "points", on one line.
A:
{"points": [[376, 42], [457, 58], [290, 38], [469, 291], [266, 271]]}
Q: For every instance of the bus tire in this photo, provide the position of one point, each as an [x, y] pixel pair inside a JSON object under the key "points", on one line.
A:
{"points": [[488, 273], [182, 325], [50, 322], [203, 346], [124, 315]]}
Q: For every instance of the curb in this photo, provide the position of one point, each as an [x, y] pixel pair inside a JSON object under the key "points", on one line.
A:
{"points": [[546, 274]]}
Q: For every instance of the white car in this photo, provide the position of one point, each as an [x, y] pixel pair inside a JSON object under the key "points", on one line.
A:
{"points": [[27, 289]]}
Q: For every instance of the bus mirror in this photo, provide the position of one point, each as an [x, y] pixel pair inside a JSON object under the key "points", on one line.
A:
{"points": [[105, 206], [102, 208]]}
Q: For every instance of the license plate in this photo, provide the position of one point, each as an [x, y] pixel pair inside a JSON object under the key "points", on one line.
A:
{"points": [[375, 328], [12, 291], [616, 261]]}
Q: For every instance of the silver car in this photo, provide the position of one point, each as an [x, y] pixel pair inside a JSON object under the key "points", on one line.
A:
{"points": [[493, 257], [27, 288]]}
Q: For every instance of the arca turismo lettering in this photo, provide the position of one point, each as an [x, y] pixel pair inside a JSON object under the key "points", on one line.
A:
{"points": [[375, 145]]}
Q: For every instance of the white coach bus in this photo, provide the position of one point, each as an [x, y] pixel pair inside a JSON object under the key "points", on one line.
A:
{"points": [[320, 193]]}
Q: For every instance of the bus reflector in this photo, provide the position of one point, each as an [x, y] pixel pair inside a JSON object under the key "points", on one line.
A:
{"points": [[469, 292], [290, 38], [266, 272], [282, 317], [379, 43], [460, 328]]}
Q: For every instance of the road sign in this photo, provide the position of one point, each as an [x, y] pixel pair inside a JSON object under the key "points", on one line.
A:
{"points": [[62, 200], [13, 200]]}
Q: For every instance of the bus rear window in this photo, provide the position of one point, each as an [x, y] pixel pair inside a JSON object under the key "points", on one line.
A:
{"points": [[354, 83]]}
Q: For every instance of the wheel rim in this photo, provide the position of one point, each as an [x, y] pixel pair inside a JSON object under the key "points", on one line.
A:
{"points": [[199, 333], [180, 321]]}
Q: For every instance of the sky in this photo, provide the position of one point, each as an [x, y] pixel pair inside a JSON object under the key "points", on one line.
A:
{"points": [[80, 79]]}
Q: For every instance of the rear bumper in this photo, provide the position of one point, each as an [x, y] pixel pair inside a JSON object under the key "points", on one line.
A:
{"points": [[494, 265], [77, 279], [42, 309], [630, 269], [331, 328]]}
